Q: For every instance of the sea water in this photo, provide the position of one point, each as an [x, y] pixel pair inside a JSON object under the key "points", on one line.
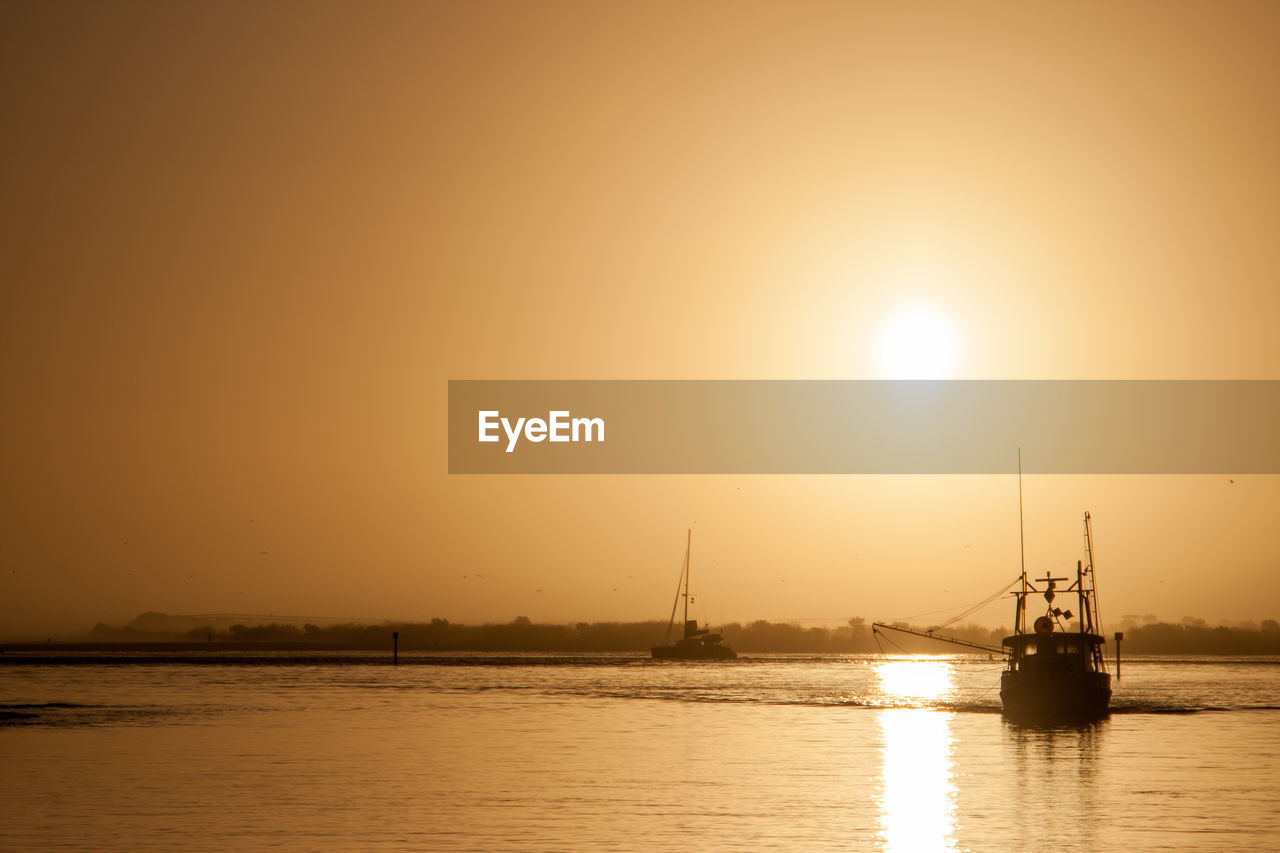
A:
{"points": [[621, 753]]}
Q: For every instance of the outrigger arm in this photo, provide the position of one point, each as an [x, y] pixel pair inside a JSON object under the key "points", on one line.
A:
{"points": [[931, 636]]}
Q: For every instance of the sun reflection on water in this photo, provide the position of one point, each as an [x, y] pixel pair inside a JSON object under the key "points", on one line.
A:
{"points": [[910, 680], [917, 792]]}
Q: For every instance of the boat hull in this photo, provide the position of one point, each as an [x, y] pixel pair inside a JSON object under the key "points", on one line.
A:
{"points": [[1050, 694], [694, 651]]}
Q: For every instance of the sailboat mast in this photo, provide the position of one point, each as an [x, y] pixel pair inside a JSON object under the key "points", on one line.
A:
{"points": [[688, 566], [675, 602]]}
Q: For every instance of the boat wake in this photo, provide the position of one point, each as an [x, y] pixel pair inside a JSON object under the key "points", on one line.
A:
{"points": [[1140, 707], [76, 714]]}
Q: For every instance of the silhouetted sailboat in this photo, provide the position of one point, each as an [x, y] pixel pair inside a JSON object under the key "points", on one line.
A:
{"points": [[697, 643]]}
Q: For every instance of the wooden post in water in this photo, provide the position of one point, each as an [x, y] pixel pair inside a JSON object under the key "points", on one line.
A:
{"points": [[1119, 637], [395, 648]]}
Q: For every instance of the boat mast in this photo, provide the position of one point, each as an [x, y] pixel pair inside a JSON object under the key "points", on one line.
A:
{"points": [[1095, 619], [688, 565], [1022, 545], [1084, 602], [1094, 615], [675, 602]]}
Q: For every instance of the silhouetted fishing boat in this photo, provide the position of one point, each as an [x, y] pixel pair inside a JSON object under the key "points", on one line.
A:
{"points": [[697, 643], [1051, 672]]}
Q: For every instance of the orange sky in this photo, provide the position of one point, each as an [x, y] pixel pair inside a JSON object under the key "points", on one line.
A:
{"points": [[246, 245]]}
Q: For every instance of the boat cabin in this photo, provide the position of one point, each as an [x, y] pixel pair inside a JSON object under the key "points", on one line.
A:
{"points": [[1081, 652]]}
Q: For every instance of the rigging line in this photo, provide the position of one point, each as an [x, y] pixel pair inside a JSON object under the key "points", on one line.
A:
{"points": [[981, 605], [971, 609], [984, 693], [925, 613], [887, 640], [895, 645]]}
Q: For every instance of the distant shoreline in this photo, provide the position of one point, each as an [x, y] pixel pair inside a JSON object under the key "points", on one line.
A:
{"points": [[279, 654], [73, 646], [521, 636]]}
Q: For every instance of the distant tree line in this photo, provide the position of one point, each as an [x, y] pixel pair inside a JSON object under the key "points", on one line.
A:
{"points": [[1192, 636], [521, 634], [1195, 637]]}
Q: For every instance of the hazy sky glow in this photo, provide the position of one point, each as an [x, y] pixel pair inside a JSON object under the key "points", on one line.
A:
{"points": [[246, 245]]}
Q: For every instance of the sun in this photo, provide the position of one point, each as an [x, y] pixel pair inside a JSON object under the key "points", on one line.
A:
{"points": [[918, 343]]}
